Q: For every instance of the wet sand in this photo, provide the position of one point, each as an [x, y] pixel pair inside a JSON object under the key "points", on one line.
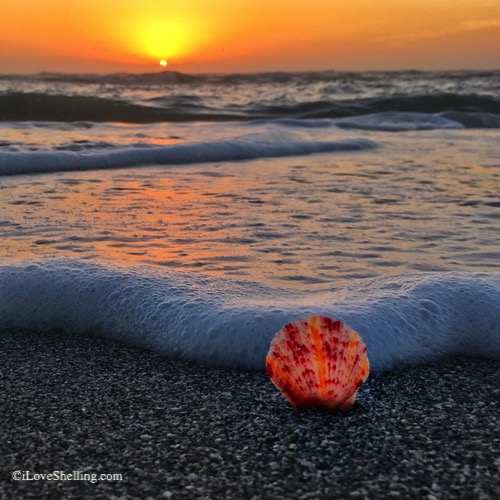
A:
{"points": [[176, 430]]}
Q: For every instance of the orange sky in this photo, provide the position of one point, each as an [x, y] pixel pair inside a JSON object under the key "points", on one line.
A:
{"points": [[248, 35]]}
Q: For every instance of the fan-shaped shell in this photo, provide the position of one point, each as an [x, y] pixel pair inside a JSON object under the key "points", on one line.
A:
{"points": [[318, 361]]}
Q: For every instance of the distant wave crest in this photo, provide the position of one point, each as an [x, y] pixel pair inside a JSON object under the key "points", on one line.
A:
{"points": [[471, 111]]}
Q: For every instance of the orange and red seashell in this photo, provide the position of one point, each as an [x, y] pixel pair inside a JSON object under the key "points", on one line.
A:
{"points": [[318, 361]]}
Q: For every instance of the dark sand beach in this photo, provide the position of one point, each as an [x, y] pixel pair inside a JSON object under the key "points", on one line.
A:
{"points": [[176, 430]]}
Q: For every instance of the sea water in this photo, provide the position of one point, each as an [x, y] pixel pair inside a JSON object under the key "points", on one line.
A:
{"points": [[196, 215]]}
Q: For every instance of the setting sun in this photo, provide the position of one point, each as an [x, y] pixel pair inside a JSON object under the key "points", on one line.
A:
{"points": [[166, 40]]}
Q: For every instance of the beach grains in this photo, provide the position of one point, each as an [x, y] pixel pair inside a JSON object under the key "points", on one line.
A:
{"points": [[178, 430]]}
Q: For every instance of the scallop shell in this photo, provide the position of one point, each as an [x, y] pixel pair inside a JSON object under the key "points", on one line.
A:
{"points": [[318, 361]]}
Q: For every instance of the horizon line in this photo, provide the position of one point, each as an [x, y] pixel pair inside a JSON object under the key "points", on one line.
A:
{"points": [[264, 72]]}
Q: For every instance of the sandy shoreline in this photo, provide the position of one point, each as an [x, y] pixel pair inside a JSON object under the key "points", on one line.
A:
{"points": [[184, 431]]}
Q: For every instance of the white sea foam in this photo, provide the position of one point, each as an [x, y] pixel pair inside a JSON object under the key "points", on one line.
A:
{"points": [[15, 163], [404, 320], [398, 122], [390, 121]]}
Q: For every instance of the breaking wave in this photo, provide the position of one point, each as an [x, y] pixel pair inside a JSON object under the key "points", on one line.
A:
{"points": [[405, 320], [15, 163]]}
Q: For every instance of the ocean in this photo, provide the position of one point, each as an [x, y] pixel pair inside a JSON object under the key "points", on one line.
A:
{"points": [[197, 214]]}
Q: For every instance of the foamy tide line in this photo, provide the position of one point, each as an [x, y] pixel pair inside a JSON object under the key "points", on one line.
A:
{"points": [[15, 163], [405, 320]]}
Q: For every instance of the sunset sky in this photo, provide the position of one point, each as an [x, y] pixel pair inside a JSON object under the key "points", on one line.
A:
{"points": [[247, 35]]}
